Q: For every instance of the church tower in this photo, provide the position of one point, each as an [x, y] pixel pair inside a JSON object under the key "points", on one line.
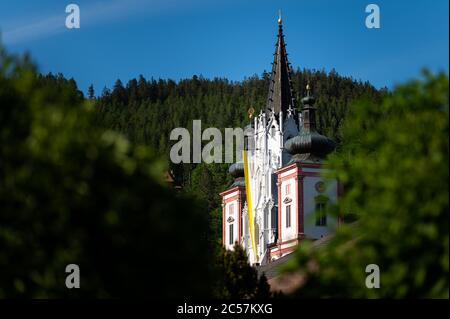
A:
{"points": [[283, 146]]}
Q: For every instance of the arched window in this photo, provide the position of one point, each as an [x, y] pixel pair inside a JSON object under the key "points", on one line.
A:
{"points": [[273, 130], [321, 210], [231, 234], [288, 189], [288, 216], [231, 210]]}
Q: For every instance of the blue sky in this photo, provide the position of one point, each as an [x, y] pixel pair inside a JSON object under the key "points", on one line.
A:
{"points": [[227, 38]]}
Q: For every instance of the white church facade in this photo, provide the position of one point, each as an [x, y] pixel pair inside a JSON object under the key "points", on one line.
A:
{"points": [[285, 163]]}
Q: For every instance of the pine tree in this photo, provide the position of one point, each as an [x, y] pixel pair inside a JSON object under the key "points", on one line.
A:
{"points": [[237, 278], [80, 194], [119, 94], [263, 288], [91, 93]]}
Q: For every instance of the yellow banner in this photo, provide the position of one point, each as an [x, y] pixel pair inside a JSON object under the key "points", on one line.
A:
{"points": [[249, 203]]}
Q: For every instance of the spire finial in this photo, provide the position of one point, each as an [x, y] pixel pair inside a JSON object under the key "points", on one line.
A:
{"points": [[280, 20], [251, 111], [308, 99]]}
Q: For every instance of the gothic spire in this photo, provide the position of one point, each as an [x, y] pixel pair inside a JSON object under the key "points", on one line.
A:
{"points": [[281, 95]]}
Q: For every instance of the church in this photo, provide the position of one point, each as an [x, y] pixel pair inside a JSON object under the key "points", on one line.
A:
{"points": [[279, 197]]}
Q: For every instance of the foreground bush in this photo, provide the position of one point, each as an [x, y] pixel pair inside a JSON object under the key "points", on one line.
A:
{"points": [[394, 165], [71, 193]]}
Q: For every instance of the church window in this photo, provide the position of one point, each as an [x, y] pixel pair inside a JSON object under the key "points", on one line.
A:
{"points": [[288, 216], [231, 235], [231, 209], [321, 213], [288, 189]]}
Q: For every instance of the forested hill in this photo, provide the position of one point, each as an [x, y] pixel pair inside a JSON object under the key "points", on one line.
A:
{"points": [[147, 110]]}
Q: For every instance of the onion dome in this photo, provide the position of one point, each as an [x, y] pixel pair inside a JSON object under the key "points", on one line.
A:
{"points": [[309, 144], [237, 171]]}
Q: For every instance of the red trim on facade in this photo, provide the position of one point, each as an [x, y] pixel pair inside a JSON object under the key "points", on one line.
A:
{"points": [[223, 223], [286, 168], [313, 165], [298, 175], [284, 251], [311, 174], [300, 197], [240, 197], [278, 251], [285, 242], [231, 199], [239, 214], [231, 190], [299, 170], [284, 178]]}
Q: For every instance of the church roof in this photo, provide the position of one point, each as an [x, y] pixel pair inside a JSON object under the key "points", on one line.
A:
{"points": [[281, 95], [271, 269]]}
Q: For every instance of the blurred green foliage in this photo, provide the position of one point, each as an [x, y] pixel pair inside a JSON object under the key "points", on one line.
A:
{"points": [[393, 163], [73, 193]]}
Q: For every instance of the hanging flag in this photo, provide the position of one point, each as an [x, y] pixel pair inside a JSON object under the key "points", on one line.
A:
{"points": [[249, 202]]}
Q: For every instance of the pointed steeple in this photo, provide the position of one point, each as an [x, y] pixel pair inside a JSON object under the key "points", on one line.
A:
{"points": [[281, 95]]}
